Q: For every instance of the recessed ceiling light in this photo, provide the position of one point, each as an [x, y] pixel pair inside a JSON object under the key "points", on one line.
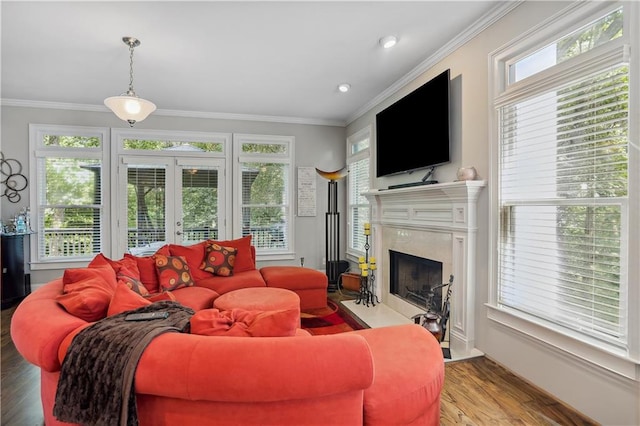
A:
{"points": [[344, 87], [388, 41]]}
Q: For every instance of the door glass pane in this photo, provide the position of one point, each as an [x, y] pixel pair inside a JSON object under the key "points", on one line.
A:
{"points": [[146, 208], [199, 203]]}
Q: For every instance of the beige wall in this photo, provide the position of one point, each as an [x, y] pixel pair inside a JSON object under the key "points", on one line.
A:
{"points": [[315, 146], [606, 397]]}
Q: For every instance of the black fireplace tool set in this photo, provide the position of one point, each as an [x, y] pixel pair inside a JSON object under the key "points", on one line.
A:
{"points": [[436, 318]]}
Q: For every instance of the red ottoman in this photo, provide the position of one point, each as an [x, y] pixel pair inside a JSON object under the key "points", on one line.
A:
{"points": [[309, 284], [259, 299]]}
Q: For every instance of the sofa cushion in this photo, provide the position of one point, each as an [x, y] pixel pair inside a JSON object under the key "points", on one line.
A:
{"points": [[219, 260], [87, 292], [243, 323], [239, 280], [165, 295], [409, 375], [245, 260], [311, 285], [196, 298], [173, 272], [148, 273], [125, 299]]}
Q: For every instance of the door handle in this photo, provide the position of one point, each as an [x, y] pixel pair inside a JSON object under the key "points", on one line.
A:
{"points": [[178, 233]]}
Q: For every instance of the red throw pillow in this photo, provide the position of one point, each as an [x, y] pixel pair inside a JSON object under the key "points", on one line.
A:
{"points": [[173, 272], [243, 323], [99, 260], [219, 260], [126, 270], [124, 299], [147, 269], [194, 255], [87, 292], [244, 258]]}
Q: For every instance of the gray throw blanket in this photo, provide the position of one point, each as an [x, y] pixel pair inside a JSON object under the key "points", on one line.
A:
{"points": [[96, 385]]}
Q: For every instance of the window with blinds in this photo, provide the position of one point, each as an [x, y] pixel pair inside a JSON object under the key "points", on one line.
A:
{"points": [[68, 213], [563, 184], [357, 183], [264, 188]]}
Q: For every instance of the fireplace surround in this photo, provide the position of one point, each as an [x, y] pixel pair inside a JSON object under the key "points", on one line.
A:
{"points": [[435, 222]]}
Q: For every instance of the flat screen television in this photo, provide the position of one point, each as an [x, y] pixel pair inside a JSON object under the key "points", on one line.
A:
{"points": [[414, 132]]}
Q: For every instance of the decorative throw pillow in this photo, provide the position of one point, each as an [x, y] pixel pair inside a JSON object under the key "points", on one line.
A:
{"points": [[130, 281], [124, 299], [194, 255], [173, 272], [244, 257], [219, 260]]}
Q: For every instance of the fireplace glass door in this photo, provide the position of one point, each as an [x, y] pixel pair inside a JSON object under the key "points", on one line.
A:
{"points": [[412, 278]]}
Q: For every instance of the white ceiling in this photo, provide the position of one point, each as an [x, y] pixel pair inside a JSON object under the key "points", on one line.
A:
{"points": [[282, 59]]}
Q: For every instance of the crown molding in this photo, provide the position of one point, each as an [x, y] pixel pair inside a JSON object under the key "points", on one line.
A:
{"points": [[476, 28], [175, 113]]}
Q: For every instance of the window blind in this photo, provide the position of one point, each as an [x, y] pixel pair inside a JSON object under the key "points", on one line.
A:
{"points": [[358, 182], [265, 211], [359, 205], [563, 202], [146, 205], [70, 207]]}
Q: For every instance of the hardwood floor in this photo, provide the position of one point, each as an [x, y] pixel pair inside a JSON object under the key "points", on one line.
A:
{"points": [[20, 382], [480, 392], [476, 392]]}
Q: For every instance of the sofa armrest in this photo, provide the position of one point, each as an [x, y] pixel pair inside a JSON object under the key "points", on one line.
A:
{"points": [[39, 324], [254, 369]]}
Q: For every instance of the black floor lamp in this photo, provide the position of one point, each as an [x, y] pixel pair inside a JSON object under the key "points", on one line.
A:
{"points": [[333, 266]]}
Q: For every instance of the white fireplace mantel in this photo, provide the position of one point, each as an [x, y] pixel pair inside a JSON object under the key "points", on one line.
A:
{"points": [[435, 221]]}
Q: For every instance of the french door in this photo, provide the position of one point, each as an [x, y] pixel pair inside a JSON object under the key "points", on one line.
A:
{"points": [[166, 199]]}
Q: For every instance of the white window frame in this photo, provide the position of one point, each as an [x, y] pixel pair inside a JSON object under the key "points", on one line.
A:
{"points": [[118, 152], [37, 151], [625, 363], [353, 251], [284, 158]]}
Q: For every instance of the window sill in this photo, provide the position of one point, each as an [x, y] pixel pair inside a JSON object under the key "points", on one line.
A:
{"points": [[58, 265], [266, 257], [612, 359]]}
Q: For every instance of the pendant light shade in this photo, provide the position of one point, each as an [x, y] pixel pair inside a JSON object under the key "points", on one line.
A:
{"points": [[128, 106]]}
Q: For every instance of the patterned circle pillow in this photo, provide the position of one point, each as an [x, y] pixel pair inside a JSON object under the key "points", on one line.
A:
{"points": [[127, 271], [219, 260], [173, 272]]}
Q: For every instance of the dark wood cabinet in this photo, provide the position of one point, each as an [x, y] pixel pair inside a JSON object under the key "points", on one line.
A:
{"points": [[15, 286]]}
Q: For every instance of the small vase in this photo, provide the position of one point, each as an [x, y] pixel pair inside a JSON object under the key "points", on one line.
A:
{"points": [[467, 173], [431, 322]]}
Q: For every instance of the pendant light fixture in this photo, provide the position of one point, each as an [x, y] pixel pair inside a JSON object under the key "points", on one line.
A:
{"points": [[128, 106]]}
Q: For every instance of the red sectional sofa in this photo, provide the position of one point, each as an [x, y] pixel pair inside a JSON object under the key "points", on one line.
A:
{"points": [[383, 376]]}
